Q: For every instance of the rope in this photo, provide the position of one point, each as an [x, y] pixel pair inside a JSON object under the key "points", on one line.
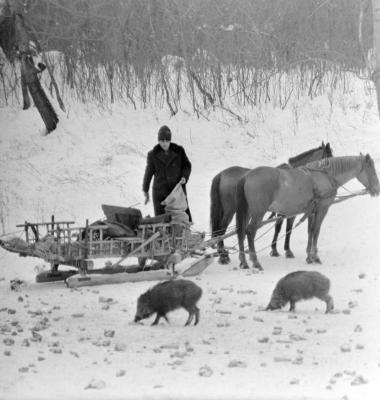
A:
{"points": [[283, 235], [347, 190], [340, 198], [221, 231], [246, 248]]}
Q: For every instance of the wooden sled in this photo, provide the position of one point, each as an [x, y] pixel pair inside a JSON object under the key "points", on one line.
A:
{"points": [[156, 239]]}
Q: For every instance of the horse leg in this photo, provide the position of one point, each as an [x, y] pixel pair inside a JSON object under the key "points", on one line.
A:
{"points": [[319, 217], [241, 236], [277, 229], [310, 229], [224, 257], [249, 218], [253, 226], [289, 227], [242, 219]]}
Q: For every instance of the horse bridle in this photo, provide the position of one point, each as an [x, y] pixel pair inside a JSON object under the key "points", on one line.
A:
{"points": [[365, 167]]}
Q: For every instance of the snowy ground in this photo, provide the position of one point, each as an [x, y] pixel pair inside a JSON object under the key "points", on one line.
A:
{"points": [[65, 343]]}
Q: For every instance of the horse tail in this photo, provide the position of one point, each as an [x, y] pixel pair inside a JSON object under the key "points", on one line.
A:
{"points": [[216, 209], [241, 212]]}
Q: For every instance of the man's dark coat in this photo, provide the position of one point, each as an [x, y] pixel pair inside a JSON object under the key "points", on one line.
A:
{"points": [[167, 170]]}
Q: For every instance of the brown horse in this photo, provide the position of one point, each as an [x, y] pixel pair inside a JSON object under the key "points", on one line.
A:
{"points": [[310, 189], [223, 200]]}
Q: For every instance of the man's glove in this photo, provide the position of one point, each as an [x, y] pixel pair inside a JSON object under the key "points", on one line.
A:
{"points": [[146, 195]]}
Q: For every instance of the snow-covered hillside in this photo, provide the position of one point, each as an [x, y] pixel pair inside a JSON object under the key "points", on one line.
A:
{"points": [[237, 351]]}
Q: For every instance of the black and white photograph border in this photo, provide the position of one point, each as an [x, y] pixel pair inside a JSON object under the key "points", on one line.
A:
{"points": [[106, 294]]}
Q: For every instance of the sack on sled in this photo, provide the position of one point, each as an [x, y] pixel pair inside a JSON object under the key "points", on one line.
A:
{"points": [[176, 205], [128, 216]]}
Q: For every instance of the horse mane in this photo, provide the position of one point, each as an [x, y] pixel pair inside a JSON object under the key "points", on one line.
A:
{"points": [[293, 161], [333, 165]]}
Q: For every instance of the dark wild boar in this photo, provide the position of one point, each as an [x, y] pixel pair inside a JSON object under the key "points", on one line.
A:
{"points": [[168, 296], [301, 285]]}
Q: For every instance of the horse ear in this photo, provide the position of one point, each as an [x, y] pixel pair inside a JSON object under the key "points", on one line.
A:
{"points": [[367, 157]]}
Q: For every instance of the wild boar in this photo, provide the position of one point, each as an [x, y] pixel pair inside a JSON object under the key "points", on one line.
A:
{"points": [[301, 285], [168, 296]]}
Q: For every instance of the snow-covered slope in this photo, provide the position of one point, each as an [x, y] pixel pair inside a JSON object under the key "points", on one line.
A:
{"points": [[98, 157]]}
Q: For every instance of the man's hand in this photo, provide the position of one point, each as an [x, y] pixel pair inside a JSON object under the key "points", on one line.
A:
{"points": [[146, 195], [182, 181]]}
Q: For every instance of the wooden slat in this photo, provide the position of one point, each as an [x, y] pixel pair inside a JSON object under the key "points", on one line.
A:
{"points": [[44, 223]]}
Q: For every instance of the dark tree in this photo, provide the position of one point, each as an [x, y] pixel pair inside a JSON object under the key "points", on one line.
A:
{"points": [[15, 40]]}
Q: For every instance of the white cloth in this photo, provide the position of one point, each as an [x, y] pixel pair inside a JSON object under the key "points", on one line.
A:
{"points": [[176, 204]]}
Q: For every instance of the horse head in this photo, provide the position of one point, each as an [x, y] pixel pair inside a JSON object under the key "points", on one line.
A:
{"points": [[327, 150], [368, 177], [318, 153]]}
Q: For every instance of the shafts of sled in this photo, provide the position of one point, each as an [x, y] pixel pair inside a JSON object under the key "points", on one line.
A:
{"points": [[211, 242], [339, 199]]}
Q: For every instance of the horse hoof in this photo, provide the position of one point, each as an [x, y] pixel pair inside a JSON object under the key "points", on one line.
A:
{"points": [[244, 266], [313, 260], [274, 253], [258, 267], [289, 254]]}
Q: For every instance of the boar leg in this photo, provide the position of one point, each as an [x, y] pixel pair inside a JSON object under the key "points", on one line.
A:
{"points": [[191, 316], [292, 305], [329, 303], [158, 316], [193, 311], [196, 315]]}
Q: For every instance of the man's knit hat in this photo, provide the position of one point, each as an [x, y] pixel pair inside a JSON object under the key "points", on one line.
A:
{"points": [[164, 133]]}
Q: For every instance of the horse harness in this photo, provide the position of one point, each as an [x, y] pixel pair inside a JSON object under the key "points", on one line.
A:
{"points": [[318, 197]]}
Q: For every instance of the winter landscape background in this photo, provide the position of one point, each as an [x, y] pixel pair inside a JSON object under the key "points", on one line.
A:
{"points": [[97, 156]]}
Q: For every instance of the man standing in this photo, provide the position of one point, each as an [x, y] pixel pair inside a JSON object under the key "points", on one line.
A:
{"points": [[167, 162]]}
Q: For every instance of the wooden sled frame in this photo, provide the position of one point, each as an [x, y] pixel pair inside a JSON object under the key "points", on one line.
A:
{"points": [[59, 243]]}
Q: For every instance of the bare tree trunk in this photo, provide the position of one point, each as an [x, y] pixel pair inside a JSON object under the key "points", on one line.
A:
{"points": [[32, 83], [376, 48], [363, 9]]}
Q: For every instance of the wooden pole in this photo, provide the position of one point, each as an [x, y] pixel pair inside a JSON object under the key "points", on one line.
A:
{"points": [[86, 239]]}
